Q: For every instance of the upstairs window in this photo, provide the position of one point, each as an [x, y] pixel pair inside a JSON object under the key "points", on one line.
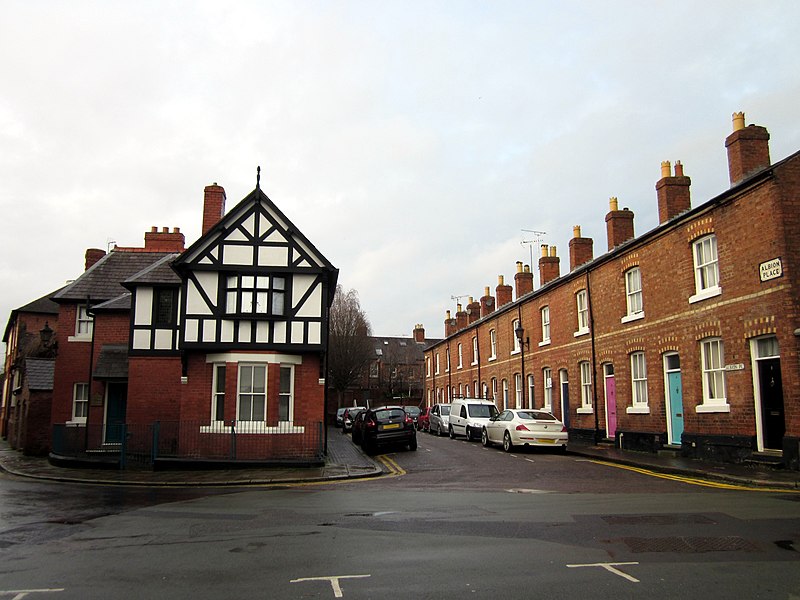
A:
{"points": [[475, 350], [84, 322], [255, 295], [493, 344], [514, 325], [582, 305], [706, 268], [164, 307], [633, 293], [460, 356], [545, 325], [712, 356]]}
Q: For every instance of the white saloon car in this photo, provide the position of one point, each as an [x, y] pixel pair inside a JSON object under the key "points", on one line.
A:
{"points": [[528, 427]]}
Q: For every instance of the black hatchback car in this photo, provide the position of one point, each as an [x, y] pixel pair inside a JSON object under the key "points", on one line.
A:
{"points": [[388, 425]]}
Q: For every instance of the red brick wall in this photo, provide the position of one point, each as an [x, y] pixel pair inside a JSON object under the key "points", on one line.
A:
{"points": [[154, 389]]}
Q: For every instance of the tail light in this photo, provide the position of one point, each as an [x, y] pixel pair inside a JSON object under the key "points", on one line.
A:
{"points": [[521, 427], [370, 424], [563, 429], [409, 420]]}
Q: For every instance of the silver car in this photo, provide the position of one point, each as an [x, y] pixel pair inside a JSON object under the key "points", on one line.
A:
{"points": [[439, 419], [530, 427]]}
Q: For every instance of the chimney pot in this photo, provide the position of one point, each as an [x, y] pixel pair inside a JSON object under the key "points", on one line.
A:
{"points": [[519, 266], [613, 204], [553, 251], [666, 169], [544, 249], [678, 169], [576, 231], [154, 229], [738, 121]]}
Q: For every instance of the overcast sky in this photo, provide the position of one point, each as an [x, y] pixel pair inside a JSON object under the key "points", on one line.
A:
{"points": [[411, 142]]}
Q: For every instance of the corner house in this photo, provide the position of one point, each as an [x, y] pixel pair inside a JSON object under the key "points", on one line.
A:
{"points": [[684, 338]]}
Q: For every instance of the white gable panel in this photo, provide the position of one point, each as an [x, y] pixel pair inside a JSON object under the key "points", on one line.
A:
{"points": [[279, 332], [312, 307], [227, 331], [206, 261], [314, 333], [141, 339], [273, 256], [297, 333], [276, 236], [236, 236], [309, 252], [190, 332], [274, 216], [304, 263], [237, 255], [209, 331], [195, 304], [144, 306], [163, 339], [262, 332], [244, 331], [249, 224]]}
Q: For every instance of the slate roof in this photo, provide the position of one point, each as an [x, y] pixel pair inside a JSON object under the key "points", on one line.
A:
{"points": [[103, 280], [160, 272], [401, 350], [42, 306], [122, 302], [39, 372], [112, 362]]}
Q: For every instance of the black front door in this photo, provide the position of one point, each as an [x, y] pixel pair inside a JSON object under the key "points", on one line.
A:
{"points": [[116, 405], [772, 412]]}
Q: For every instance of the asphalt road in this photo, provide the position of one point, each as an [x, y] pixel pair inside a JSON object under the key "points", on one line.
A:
{"points": [[453, 520]]}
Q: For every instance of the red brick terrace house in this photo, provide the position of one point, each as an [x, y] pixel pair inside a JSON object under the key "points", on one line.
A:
{"points": [[216, 351], [683, 338]]}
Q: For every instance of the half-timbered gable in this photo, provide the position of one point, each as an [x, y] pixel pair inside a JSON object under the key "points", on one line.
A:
{"points": [[254, 281]]}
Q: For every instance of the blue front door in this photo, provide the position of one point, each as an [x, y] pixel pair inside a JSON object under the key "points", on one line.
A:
{"points": [[675, 406], [116, 406]]}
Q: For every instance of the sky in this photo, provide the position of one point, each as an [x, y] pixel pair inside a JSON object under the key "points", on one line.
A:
{"points": [[416, 144]]}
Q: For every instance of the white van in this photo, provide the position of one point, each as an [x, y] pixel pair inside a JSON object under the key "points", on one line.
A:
{"points": [[469, 415]]}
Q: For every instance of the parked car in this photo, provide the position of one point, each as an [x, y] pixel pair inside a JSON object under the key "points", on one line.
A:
{"points": [[387, 425], [358, 427], [469, 415], [413, 412], [348, 417], [439, 419], [340, 416], [423, 421], [531, 427]]}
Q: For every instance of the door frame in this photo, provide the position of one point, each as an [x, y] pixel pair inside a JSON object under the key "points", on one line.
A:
{"points": [[105, 408], [606, 377], [754, 360], [668, 396]]}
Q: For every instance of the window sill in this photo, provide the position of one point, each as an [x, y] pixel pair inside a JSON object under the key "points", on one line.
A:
{"points": [[79, 338], [638, 410], [474, 362], [633, 317], [705, 294], [544, 342], [76, 423], [713, 408], [492, 358], [252, 427], [581, 332], [585, 410]]}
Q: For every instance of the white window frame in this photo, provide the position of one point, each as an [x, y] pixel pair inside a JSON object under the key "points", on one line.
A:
{"points": [[633, 295], [460, 357], [84, 325], [252, 294], [493, 344], [494, 388], [706, 268], [545, 313], [80, 399], [712, 364], [582, 307], [428, 366], [505, 394], [518, 391], [447, 360], [515, 349], [639, 398], [585, 369], [531, 390], [436, 361], [547, 377], [285, 395], [216, 394], [475, 350], [252, 393]]}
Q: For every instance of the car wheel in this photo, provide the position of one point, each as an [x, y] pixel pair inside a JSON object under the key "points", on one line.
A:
{"points": [[452, 433], [412, 445], [507, 445], [485, 438]]}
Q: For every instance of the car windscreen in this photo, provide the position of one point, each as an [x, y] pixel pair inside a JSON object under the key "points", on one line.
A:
{"points": [[481, 410], [390, 414], [535, 415], [445, 410], [413, 411]]}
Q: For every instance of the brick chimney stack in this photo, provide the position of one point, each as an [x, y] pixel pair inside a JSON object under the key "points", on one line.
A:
{"points": [[461, 317], [523, 280], [503, 292], [213, 206], [164, 240], [92, 256], [673, 192], [549, 265], [419, 333], [473, 310], [487, 303], [580, 249], [748, 149], [449, 325], [619, 224]]}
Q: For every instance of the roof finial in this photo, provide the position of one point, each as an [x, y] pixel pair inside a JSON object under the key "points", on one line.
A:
{"points": [[258, 177]]}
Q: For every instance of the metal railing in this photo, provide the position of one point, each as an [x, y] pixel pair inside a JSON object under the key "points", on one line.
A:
{"points": [[132, 445]]}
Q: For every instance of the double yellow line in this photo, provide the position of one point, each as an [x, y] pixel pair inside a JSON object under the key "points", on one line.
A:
{"points": [[394, 469], [694, 480]]}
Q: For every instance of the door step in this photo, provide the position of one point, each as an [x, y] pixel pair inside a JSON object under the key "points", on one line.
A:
{"points": [[772, 459], [670, 451]]}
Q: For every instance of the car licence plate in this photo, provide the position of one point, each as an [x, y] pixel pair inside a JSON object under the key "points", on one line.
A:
{"points": [[546, 440], [392, 426]]}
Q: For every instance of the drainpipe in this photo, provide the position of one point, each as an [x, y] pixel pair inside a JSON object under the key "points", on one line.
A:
{"points": [[478, 358], [91, 368], [594, 360]]}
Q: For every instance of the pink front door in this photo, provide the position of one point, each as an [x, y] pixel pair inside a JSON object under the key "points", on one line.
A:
{"points": [[611, 406]]}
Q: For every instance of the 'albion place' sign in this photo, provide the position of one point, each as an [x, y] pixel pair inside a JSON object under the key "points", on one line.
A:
{"points": [[772, 269]]}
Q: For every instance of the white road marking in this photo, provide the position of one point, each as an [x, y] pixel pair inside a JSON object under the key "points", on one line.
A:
{"points": [[530, 460], [610, 568], [334, 581], [20, 594]]}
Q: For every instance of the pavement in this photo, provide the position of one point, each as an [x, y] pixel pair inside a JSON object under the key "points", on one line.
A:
{"points": [[345, 461]]}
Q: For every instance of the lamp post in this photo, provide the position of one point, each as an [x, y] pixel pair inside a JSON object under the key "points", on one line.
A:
{"points": [[524, 342]]}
